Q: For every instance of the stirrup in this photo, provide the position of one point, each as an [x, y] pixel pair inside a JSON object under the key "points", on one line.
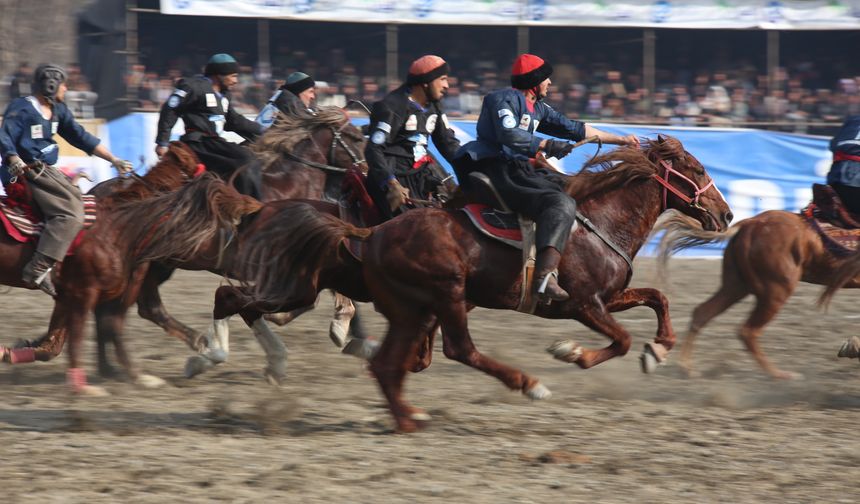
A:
{"points": [[43, 282]]}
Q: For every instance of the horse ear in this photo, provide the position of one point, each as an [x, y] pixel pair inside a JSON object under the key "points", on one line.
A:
{"points": [[660, 138]]}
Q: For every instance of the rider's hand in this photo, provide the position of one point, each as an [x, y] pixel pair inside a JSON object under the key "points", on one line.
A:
{"points": [[16, 165], [557, 148], [122, 166], [630, 141], [160, 150], [397, 195]]}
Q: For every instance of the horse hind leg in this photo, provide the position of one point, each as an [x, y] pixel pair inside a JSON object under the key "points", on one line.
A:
{"points": [[389, 366], [766, 308], [344, 310], [722, 300], [150, 307], [110, 320], [654, 353]]}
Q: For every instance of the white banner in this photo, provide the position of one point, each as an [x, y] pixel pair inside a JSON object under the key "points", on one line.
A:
{"points": [[723, 14]]}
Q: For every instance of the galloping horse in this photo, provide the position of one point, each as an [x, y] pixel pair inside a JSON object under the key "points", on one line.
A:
{"points": [[97, 271], [302, 157], [432, 265], [766, 256]]}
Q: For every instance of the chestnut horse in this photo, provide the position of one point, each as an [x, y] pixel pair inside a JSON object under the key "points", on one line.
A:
{"points": [[431, 265], [302, 157], [766, 256], [96, 271]]}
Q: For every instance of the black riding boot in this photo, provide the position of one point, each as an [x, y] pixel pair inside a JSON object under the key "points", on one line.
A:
{"points": [[37, 273], [545, 282]]}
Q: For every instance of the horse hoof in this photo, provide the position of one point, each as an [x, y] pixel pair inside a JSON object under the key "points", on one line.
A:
{"points": [[850, 349], [538, 392], [565, 351], [149, 381], [274, 378], [197, 364], [92, 391], [361, 348], [788, 376], [420, 416]]}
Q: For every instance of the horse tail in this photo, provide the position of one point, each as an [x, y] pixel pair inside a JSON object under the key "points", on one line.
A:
{"points": [[177, 224], [843, 274], [285, 259], [682, 232]]}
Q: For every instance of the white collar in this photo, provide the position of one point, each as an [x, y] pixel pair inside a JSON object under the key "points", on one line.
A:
{"points": [[38, 106]]}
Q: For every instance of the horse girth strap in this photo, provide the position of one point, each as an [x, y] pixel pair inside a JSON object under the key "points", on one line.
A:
{"points": [[600, 234]]}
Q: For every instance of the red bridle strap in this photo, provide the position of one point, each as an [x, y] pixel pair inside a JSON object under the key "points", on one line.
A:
{"points": [[664, 181]]}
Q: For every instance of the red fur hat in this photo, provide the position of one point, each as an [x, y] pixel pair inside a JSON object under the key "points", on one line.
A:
{"points": [[529, 71]]}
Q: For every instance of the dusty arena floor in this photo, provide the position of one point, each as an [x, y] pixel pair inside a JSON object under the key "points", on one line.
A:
{"points": [[609, 434]]}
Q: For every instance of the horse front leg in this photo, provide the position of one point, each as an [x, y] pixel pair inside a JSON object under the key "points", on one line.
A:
{"points": [[150, 307], [596, 316], [656, 352], [74, 311]]}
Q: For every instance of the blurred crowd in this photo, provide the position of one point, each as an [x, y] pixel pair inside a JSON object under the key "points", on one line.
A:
{"points": [[738, 94]]}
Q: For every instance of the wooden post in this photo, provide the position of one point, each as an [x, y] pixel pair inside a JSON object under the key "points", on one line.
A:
{"points": [[649, 62], [522, 39], [391, 54], [772, 59]]}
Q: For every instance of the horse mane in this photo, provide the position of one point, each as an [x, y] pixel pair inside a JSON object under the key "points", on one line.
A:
{"points": [[284, 258], [289, 131], [175, 225], [176, 166], [622, 166]]}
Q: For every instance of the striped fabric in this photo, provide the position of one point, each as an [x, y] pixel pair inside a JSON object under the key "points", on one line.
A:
{"points": [[21, 226]]}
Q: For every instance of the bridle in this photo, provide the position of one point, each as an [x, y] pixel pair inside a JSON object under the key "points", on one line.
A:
{"points": [[336, 140], [664, 181]]}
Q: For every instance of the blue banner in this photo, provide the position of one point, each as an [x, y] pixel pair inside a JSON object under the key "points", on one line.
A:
{"points": [[755, 170]]}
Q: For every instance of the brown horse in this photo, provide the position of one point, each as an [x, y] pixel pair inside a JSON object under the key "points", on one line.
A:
{"points": [[100, 273], [432, 265], [766, 256], [302, 157]]}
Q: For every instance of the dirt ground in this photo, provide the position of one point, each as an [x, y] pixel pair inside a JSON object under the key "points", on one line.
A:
{"points": [[609, 434]]}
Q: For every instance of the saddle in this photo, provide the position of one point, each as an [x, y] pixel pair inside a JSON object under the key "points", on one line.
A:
{"points": [[492, 217], [826, 214], [23, 221]]}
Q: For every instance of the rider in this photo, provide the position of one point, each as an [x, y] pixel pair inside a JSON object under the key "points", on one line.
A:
{"points": [[27, 136], [297, 96], [400, 126], [203, 103], [844, 175], [506, 140]]}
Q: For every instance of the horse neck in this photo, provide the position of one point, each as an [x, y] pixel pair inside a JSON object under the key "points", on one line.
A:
{"points": [[626, 213]]}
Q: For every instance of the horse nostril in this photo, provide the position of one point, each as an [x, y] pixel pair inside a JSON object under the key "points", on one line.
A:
{"points": [[729, 216]]}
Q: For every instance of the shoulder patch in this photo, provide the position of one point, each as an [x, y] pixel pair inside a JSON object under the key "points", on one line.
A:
{"points": [[225, 103], [173, 101], [180, 92], [445, 121], [384, 126], [210, 100], [378, 137], [505, 112], [411, 123], [431, 123], [509, 122]]}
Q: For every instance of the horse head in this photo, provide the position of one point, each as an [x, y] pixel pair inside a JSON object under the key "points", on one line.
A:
{"points": [[687, 187], [345, 142]]}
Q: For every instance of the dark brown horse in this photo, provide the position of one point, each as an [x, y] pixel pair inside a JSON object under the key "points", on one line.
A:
{"points": [[432, 265], [100, 271], [302, 157], [766, 256]]}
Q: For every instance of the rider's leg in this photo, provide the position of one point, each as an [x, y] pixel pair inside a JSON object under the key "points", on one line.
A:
{"points": [[224, 158], [553, 229], [63, 210]]}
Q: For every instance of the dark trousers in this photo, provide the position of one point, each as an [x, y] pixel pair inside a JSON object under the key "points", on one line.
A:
{"points": [[850, 197], [225, 158], [531, 193], [62, 208]]}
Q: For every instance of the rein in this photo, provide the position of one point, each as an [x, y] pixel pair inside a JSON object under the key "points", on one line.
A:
{"points": [[337, 139]]}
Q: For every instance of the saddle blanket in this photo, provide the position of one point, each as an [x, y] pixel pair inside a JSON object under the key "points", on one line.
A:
{"points": [[502, 226], [839, 241], [23, 225]]}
